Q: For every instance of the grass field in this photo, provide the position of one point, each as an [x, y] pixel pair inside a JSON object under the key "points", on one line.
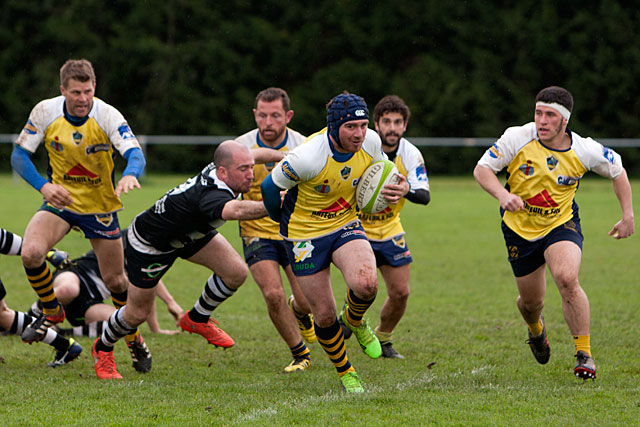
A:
{"points": [[464, 341]]}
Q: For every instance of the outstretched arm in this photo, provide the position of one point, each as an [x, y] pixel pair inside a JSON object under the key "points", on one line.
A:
{"points": [[622, 188], [491, 184], [266, 155], [243, 209], [135, 167]]}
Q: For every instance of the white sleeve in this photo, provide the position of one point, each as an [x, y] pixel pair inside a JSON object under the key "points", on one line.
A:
{"points": [[597, 158], [416, 170], [502, 152], [39, 119], [116, 127], [300, 164]]}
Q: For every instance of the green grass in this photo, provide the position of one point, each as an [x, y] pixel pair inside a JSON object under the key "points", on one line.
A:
{"points": [[461, 318]]}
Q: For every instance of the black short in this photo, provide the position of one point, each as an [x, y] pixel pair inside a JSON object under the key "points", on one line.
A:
{"points": [[146, 270], [3, 291], [526, 256]]}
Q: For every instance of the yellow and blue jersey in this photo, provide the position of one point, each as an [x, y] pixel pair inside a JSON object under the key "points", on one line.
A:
{"points": [[385, 225], [264, 228], [81, 157], [546, 179], [321, 184]]}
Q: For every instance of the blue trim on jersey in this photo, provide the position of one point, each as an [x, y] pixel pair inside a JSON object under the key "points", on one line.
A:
{"points": [[288, 207], [135, 162], [271, 198], [22, 164], [568, 132], [282, 144], [76, 121], [338, 156]]}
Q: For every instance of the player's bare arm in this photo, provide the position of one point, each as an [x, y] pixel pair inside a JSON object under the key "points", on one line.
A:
{"points": [[56, 195], [491, 184], [394, 192], [266, 155], [243, 209], [126, 183], [625, 227]]}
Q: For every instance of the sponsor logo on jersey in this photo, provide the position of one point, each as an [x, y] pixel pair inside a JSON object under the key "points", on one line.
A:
{"points": [[288, 171], [566, 180], [338, 208], [125, 132], [80, 174], [105, 219], [542, 204], [323, 188], [77, 137], [527, 168], [608, 154], [494, 152], [345, 172], [153, 270], [56, 145], [92, 149], [421, 173], [302, 250], [552, 163], [382, 216], [30, 128]]}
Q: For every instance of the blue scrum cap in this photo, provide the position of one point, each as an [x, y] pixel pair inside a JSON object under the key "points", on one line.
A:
{"points": [[344, 108]]}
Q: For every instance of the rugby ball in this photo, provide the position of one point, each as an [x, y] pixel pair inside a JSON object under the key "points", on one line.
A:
{"points": [[374, 178]]}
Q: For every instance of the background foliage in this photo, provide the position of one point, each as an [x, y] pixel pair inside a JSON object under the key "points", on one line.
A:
{"points": [[193, 67]]}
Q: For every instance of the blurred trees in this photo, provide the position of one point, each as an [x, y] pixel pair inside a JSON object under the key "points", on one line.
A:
{"points": [[468, 68]]}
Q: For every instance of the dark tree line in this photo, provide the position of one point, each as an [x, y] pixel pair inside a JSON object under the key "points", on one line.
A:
{"points": [[468, 68]]}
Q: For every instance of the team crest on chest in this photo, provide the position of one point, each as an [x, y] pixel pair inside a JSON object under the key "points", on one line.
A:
{"points": [[77, 137], [345, 172], [552, 162]]}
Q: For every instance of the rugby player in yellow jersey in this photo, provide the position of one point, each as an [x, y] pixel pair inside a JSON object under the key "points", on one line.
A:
{"points": [[545, 162], [384, 229], [319, 224], [80, 134], [264, 249]]}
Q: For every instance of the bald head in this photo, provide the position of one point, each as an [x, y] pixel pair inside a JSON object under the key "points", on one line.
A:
{"points": [[225, 152], [234, 165]]}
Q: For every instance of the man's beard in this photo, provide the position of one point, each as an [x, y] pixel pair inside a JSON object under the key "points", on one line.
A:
{"points": [[383, 138]]}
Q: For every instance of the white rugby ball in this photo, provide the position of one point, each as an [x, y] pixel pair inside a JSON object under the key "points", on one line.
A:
{"points": [[374, 178]]}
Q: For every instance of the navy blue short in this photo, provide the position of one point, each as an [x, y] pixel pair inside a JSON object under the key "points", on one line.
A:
{"points": [[97, 226], [393, 252], [258, 249], [146, 270], [311, 256], [526, 256]]}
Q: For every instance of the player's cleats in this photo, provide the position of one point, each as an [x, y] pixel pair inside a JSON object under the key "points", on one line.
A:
{"points": [[351, 383], [104, 363], [389, 351], [305, 324], [140, 354], [38, 328], [586, 367], [540, 345], [59, 259], [68, 355], [345, 330], [367, 339], [213, 334], [298, 364]]}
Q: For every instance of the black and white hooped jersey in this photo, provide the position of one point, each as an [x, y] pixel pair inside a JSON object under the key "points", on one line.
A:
{"points": [[183, 215]]}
